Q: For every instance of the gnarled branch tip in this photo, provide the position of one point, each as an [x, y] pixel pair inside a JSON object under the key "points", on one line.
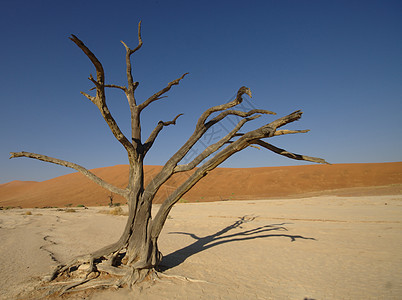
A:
{"points": [[245, 90]]}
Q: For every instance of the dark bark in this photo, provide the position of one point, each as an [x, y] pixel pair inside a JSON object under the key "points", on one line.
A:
{"points": [[134, 256]]}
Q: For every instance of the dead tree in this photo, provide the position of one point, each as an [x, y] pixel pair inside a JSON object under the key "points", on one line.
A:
{"points": [[135, 255], [111, 200]]}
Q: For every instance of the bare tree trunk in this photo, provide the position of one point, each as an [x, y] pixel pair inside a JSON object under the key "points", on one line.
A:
{"points": [[141, 250]]}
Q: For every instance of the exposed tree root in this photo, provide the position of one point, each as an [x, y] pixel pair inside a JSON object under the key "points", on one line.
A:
{"points": [[82, 277], [89, 272]]}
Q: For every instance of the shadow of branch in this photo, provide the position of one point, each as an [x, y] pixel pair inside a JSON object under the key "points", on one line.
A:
{"points": [[221, 237]]}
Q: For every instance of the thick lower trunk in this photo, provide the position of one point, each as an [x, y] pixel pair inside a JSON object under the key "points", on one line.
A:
{"points": [[141, 249]]}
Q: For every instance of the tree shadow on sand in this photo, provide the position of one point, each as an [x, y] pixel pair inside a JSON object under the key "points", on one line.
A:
{"points": [[221, 237]]}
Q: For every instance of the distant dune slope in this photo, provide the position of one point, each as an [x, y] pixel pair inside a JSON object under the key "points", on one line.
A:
{"points": [[220, 184]]}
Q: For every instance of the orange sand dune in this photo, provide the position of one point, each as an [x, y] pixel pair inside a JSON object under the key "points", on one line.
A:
{"points": [[220, 184]]}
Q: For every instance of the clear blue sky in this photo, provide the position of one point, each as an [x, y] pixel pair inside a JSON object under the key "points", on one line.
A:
{"points": [[338, 61]]}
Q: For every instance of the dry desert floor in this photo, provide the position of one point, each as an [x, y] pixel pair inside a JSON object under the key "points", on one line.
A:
{"points": [[325, 247]]}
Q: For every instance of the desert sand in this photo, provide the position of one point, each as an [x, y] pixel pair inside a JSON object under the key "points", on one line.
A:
{"points": [[305, 232], [326, 247]]}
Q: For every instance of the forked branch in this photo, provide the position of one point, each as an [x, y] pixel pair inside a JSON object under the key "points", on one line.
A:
{"points": [[131, 84], [74, 166], [154, 134], [158, 95], [100, 100]]}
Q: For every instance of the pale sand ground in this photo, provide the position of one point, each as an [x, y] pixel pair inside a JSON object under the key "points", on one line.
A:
{"points": [[323, 247]]}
